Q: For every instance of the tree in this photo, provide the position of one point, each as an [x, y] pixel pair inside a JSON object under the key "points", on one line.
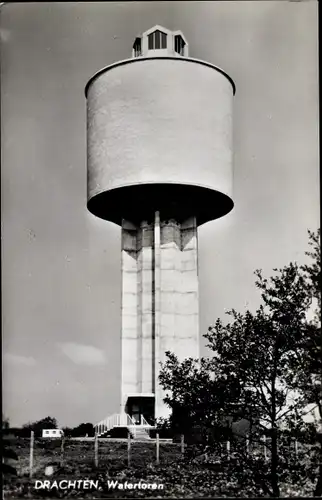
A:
{"points": [[305, 361], [39, 425], [67, 432], [308, 377], [258, 370], [83, 430], [198, 394]]}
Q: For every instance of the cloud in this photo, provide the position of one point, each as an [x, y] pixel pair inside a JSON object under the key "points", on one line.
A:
{"points": [[83, 354], [16, 360], [5, 35]]}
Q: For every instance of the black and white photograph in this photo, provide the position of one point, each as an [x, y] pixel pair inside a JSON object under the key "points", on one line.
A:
{"points": [[160, 238]]}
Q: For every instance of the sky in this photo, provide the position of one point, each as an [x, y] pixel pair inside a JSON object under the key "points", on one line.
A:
{"points": [[61, 269]]}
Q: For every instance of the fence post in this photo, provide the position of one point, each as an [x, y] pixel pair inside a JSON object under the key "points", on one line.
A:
{"points": [[158, 449], [228, 450], [31, 457], [128, 448], [182, 444], [96, 449], [62, 451], [247, 444]]}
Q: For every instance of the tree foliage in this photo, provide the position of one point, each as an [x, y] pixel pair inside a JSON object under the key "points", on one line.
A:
{"points": [[39, 425], [265, 367], [84, 429]]}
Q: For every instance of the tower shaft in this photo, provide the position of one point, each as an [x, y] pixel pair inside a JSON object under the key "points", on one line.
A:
{"points": [[159, 307]]}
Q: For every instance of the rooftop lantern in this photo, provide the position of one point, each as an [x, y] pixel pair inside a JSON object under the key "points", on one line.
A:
{"points": [[160, 42]]}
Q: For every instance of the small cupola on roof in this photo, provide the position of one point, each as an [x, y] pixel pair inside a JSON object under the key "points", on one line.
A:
{"points": [[159, 41]]}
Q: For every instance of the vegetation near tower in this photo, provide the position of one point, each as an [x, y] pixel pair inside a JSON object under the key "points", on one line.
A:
{"points": [[266, 367], [9, 456], [39, 425]]}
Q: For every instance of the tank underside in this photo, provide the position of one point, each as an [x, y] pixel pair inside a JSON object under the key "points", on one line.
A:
{"points": [[136, 203]]}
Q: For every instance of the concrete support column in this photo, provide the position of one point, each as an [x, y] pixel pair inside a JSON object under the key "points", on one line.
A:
{"points": [[138, 309], [145, 304], [157, 309], [179, 318], [130, 296], [187, 330]]}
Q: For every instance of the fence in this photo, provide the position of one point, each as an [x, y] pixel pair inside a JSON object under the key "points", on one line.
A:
{"points": [[89, 453], [72, 454]]}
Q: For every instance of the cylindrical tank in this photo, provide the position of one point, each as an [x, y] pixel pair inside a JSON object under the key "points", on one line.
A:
{"points": [[159, 137]]}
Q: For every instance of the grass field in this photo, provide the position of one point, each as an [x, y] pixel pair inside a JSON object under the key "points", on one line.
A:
{"points": [[78, 462], [179, 479], [81, 452]]}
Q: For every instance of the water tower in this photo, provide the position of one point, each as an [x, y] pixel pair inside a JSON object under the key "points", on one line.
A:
{"points": [[159, 142]]}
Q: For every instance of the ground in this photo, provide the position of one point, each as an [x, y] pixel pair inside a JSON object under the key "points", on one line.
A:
{"points": [[78, 463]]}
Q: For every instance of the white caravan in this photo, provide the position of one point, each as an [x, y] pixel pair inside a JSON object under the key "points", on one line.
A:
{"points": [[52, 433]]}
